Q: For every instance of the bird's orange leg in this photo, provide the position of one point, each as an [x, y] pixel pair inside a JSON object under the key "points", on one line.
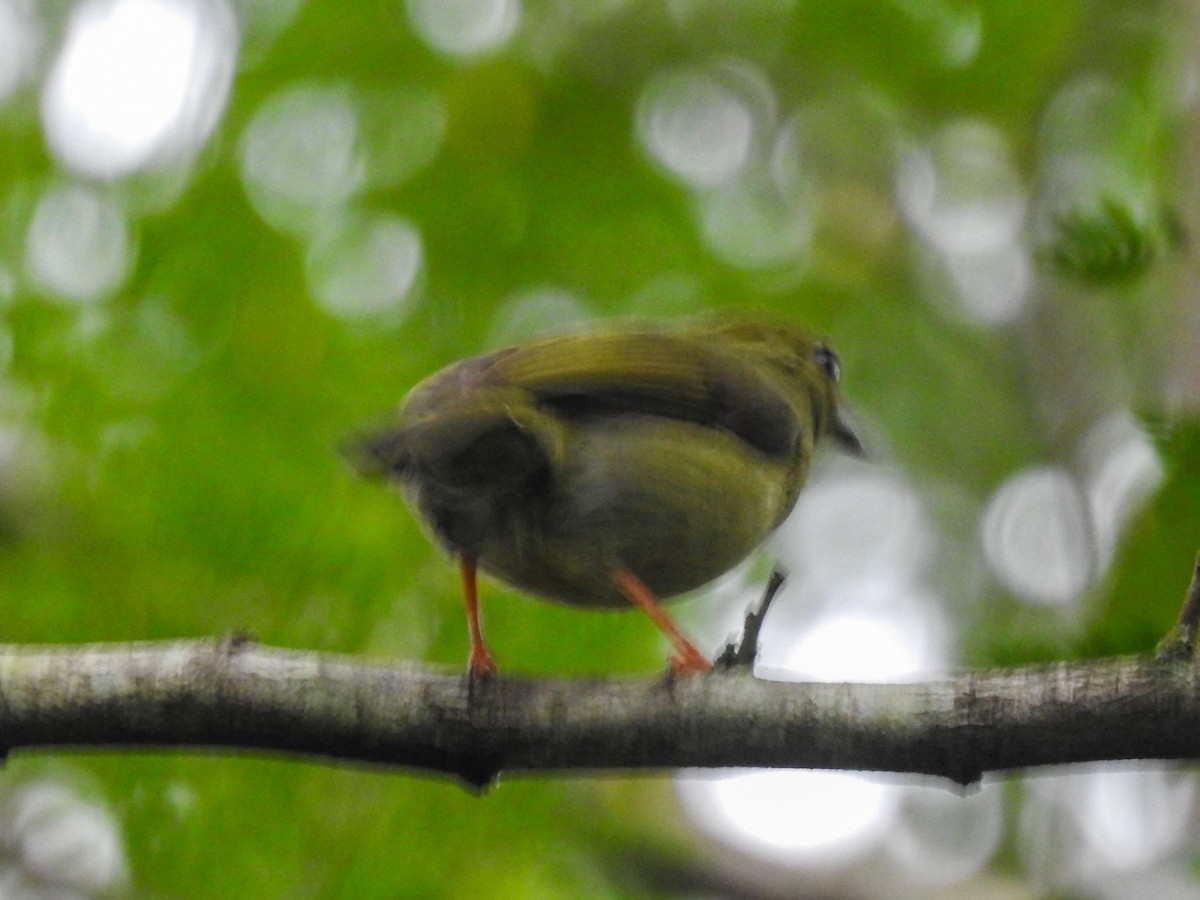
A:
{"points": [[686, 660], [481, 662]]}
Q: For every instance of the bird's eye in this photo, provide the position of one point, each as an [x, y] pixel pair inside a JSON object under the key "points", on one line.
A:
{"points": [[828, 362]]}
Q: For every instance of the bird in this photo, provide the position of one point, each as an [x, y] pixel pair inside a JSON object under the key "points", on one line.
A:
{"points": [[614, 467]]}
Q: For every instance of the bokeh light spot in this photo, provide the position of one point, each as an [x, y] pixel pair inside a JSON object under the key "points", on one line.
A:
{"points": [[1134, 818], [464, 27], [21, 42], [401, 131], [262, 22], [300, 158], [1089, 824], [858, 646], [138, 83], [991, 286], [961, 191], [78, 245], [1121, 470], [366, 269], [1091, 120], [756, 227], [869, 525], [68, 843], [962, 194], [536, 312], [940, 838], [954, 32], [1036, 537], [802, 818], [703, 125]]}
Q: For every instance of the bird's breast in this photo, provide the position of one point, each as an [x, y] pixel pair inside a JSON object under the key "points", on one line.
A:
{"points": [[675, 502]]}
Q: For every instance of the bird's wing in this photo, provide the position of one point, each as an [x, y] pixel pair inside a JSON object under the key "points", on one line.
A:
{"points": [[675, 377], [490, 440]]}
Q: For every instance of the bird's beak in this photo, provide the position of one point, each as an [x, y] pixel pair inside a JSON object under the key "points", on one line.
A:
{"points": [[845, 436]]}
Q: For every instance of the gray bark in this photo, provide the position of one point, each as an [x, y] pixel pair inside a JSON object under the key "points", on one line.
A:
{"points": [[235, 695]]}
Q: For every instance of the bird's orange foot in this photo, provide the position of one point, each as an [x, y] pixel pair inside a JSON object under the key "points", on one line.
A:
{"points": [[688, 664], [686, 660], [481, 664]]}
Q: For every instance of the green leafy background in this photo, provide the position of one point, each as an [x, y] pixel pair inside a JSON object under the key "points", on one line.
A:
{"points": [[172, 468]]}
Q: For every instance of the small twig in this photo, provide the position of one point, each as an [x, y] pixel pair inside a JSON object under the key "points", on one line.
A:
{"points": [[743, 654], [1180, 642]]}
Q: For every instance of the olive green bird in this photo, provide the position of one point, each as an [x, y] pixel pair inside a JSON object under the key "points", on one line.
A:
{"points": [[619, 466]]}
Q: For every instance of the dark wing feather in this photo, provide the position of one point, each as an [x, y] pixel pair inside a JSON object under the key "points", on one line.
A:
{"points": [[651, 374], [483, 443]]}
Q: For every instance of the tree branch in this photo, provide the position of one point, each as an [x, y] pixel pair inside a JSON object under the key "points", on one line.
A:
{"points": [[237, 695], [745, 652], [1180, 642]]}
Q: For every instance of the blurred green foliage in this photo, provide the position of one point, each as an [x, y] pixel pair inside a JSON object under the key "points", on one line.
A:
{"points": [[176, 470]]}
